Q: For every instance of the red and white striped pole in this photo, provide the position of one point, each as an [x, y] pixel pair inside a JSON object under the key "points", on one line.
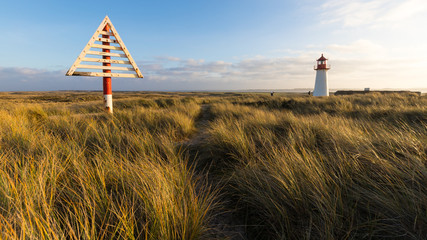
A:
{"points": [[108, 93]]}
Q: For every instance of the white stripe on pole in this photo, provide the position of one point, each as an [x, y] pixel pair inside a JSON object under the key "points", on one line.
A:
{"points": [[108, 99]]}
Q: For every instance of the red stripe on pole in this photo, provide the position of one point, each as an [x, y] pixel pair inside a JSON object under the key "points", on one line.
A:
{"points": [[106, 80]]}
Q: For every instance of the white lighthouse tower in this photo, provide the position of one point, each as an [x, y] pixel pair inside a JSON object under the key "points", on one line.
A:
{"points": [[321, 85]]}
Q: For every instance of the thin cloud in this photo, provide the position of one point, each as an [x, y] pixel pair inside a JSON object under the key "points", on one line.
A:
{"points": [[260, 72], [359, 49], [372, 13], [32, 79]]}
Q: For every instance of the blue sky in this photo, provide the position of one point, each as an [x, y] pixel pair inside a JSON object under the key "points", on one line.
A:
{"points": [[221, 44]]}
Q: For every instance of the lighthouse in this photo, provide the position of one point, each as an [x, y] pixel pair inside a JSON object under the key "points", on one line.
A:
{"points": [[321, 85]]}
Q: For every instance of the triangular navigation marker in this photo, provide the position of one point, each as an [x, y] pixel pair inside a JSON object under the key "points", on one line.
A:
{"points": [[108, 44], [107, 39]]}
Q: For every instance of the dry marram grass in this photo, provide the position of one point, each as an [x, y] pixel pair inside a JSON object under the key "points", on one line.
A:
{"points": [[283, 167]]}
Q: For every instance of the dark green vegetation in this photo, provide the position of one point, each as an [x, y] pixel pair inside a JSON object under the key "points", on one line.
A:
{"points": [[212, 166]]}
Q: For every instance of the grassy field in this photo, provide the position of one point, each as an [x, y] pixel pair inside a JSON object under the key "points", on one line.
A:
{"points": [[212, 166]]}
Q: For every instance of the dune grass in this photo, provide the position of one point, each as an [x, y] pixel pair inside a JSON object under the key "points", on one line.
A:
{"points": [[347, 167], [284, 167], [93, 176]]}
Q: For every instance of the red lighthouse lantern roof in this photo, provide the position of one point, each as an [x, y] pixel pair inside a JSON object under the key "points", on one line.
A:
{"points": [[322, 58]]}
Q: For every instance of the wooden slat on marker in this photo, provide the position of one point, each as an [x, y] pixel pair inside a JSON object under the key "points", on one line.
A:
{"points": [[106, 40], [106, 33], [105, 67], [106, 47], [106, 54], [100, 74], [100, 60]]}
